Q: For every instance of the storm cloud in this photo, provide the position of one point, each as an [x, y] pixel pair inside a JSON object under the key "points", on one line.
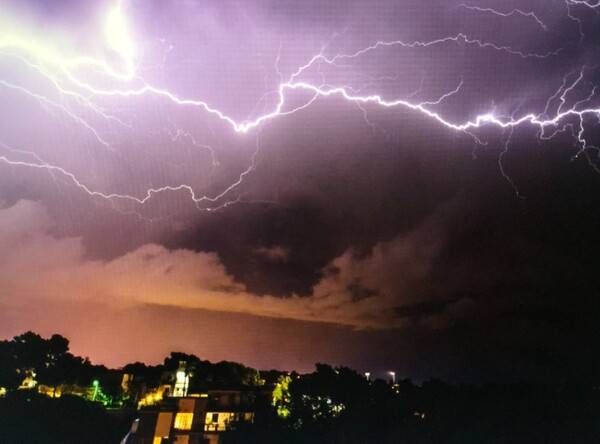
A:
{"points": [[378, 233]]}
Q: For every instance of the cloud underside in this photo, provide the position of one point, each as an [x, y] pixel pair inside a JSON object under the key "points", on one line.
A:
{"points": [[362, 291]]}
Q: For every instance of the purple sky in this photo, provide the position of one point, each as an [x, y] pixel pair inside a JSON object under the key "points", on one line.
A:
{"points": [[373, 233]]}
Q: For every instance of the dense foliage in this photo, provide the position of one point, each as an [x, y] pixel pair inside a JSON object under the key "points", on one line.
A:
{"points": [[52, 365], [339, 406], [329, 406], [27, 417]]}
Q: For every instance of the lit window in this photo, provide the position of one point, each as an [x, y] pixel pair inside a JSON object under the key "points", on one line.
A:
{"points": [[157, 440], [219, 421], [183, 421]]}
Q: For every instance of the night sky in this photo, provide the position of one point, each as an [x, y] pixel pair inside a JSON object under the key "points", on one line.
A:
{"points": [[284, 182]]}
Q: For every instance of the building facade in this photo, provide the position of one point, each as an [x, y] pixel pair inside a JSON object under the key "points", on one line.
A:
{"points": [[193, 419]]}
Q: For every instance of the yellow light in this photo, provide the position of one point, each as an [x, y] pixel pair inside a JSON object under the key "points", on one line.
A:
{"points": [[151, 398], [183, 421], [220, 421]]}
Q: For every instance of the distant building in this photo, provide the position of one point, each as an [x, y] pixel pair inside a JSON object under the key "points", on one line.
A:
{"points": [[173, 385], [193, 419], [126, 382], [182, 381]]}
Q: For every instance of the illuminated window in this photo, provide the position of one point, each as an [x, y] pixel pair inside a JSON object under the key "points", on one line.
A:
{"points": [[157, 440], [182, 381], [183, 421], [219, 421]]}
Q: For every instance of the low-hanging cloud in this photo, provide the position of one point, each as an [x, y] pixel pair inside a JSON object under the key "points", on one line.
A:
{"points": [[356, 290]]}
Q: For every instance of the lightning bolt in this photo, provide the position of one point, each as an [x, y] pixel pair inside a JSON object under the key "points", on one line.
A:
{"points": [[513, 12], [198, 200], [587, 3], [65, 74], [179, 134], [48, 102]]}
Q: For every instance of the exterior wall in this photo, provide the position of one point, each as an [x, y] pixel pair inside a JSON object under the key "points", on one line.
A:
{"points": [[211, 438], [196, 419], [163, 425], [186, 405]]}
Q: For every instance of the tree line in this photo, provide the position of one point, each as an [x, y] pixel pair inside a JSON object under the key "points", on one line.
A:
{"points": [[331, 405]]}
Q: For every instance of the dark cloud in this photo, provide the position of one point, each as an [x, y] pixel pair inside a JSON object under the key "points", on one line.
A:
{"points": [[367, 226]]}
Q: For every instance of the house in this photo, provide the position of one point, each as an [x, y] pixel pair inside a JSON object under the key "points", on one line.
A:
{"points": [[193, 419]]}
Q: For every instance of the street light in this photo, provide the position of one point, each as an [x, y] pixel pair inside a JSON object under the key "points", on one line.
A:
{"points": [[368, 376], [393, 375], [96, 385]]}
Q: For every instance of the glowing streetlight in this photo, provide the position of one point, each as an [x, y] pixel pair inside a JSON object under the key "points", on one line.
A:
{"points": [[368, 376], [96, 385]]}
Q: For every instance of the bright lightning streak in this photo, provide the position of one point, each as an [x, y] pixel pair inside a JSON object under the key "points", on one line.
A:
{"points": [[528, 14], [566, 91], [42, 165], [63, 108], [244, 127], [445, 96], [594, 6], [60, 70], [179, 134], [476, 123], [80, 98], [587, 3], [458, 38]]}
